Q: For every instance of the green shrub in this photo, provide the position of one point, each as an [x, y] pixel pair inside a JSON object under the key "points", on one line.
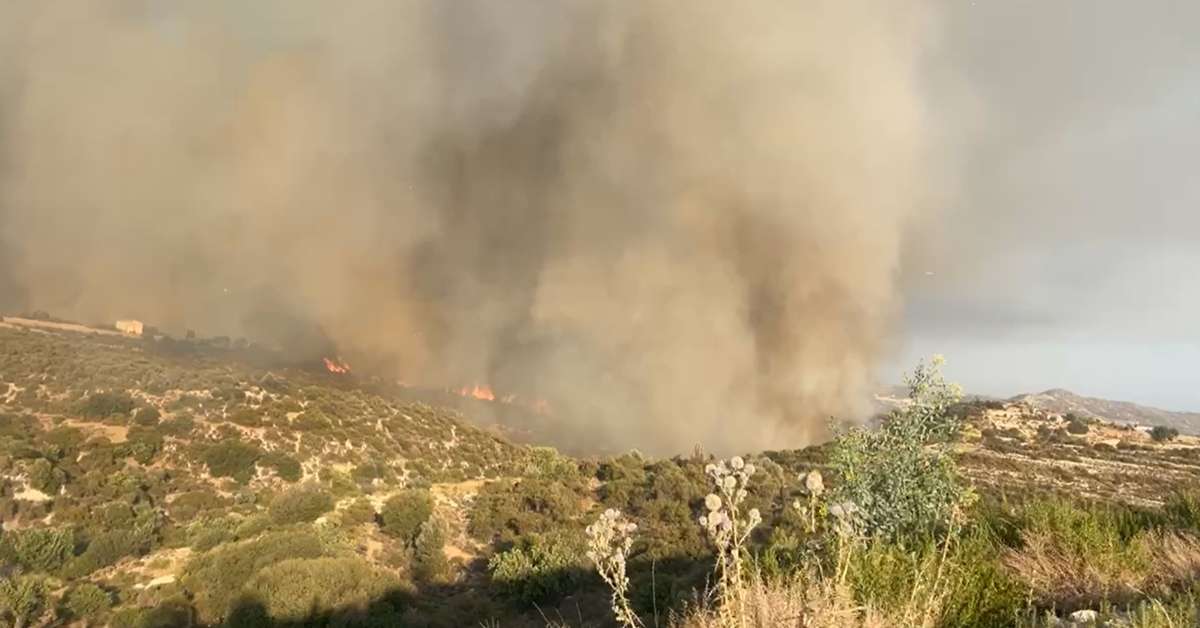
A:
{"points": [[1077, 425], [206, 534], [181, 425], [1182, 510], [429, 561], [22, 598], [901, 476], [187, 506], [107, 548], [1162, 433], [245, 417], [297, 590], [300, 504], [40, 549], [88, 601], [403, 514], [546, 463], [232, 459], [540, 568], [509, 511], [217, 577], [358, 512], [147, 416], [45, 477], [285, 466], [253, 526], [105, 404]]}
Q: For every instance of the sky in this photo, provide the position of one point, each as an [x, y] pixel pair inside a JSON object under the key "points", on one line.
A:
{"points": [[1073, 251]]}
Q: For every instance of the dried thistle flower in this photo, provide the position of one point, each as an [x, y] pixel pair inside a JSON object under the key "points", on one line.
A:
{"points": [[610, 539]]}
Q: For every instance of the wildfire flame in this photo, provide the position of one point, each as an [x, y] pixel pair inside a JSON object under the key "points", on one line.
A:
{"points": [[336, 365], [483, 392]]}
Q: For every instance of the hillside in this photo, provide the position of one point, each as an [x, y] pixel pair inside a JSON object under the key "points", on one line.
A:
{"points": [[1060, 401], [159, 482]]}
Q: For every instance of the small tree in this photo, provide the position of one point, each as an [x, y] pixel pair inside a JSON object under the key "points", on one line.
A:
{"points": [[22, 599], [40, 549], [404, 513], [1162, 433], [429, 561], [1076, 424], [901, 477], [88, 601]]}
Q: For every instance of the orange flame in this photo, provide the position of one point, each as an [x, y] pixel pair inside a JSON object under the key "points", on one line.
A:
{"points": [[483, 392], [337, 365]]}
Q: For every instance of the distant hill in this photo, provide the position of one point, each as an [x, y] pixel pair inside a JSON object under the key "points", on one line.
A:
{"points": [[1059, 401]]}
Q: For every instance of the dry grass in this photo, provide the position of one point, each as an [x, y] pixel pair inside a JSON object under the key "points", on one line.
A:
{"points": [[818, 603], [1066, 578]]}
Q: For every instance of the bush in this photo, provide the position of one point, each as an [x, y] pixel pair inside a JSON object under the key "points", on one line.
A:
{"points": [[45, 477], [404, 513], [232, 459], [88, 601], [105, 404], [22, 598], [245, 417], [286, 467], [508, 512], [429, 561], [147, 417], [1162, 433], [900, 477], [107, 548], [1076, 425], [301, 590], [358, 512], [186, 506], [300, 505], [217, 577], [40, 549], [541, 568]]}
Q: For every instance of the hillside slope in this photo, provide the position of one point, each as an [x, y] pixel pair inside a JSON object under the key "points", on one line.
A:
{"points": [[1059, 401]]}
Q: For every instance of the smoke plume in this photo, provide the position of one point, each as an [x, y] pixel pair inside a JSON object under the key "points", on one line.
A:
{"points": [[680, 223]]}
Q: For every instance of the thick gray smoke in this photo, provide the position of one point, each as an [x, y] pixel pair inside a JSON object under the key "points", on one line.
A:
{"points": [[678, 222]]}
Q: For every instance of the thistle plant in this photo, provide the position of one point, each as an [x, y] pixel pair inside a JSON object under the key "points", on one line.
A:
{"points": [[609, 541], [729, 529], [814, 487]]}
